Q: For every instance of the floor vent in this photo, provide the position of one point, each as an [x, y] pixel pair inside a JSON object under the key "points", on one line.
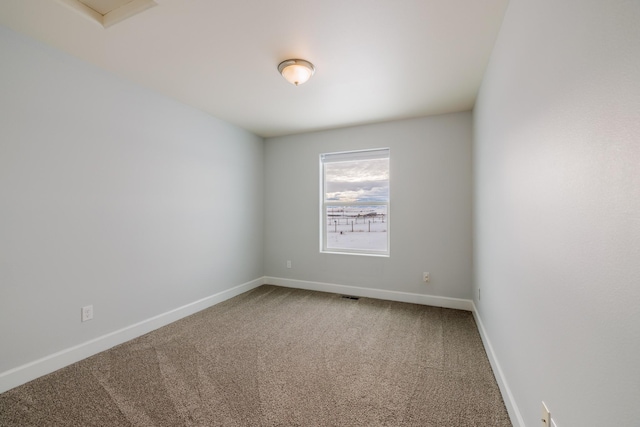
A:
{"points": [[350, 297]]}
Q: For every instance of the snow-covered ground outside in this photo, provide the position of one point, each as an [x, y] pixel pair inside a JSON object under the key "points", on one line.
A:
{"points": [[341, 236]]}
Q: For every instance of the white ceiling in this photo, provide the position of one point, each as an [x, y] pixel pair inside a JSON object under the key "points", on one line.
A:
{"points": [[375, 60]]}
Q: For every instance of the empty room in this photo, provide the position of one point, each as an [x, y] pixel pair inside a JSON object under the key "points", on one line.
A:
{"points": [[297, 213]]}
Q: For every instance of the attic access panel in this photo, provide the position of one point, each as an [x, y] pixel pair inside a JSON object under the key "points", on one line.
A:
{"points": [[104, 6], [108, 12]]}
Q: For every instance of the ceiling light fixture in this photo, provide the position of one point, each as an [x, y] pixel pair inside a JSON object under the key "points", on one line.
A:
{"points": [[296, 71]]}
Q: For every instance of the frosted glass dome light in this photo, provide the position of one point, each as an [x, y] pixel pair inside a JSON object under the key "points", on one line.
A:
{"points": [[296, 71]]}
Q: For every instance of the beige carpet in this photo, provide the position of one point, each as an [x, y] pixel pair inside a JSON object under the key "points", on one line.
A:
{"points": [[279, 357]]}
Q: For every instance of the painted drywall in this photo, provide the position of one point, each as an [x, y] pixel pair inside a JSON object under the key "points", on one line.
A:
{"points": [[557, 209], [114, 196], [430, 212]]}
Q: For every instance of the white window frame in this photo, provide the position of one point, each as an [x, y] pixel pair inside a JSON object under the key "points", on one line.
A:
{"points": [[376, 153]]}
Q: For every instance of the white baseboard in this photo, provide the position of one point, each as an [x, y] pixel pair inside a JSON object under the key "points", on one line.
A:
{"points": [[32, 370], [509, 400], [457, 303]]}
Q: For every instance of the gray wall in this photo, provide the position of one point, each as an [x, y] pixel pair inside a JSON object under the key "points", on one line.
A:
{"points": [[557, 208], [114, 196], [430, 207]]}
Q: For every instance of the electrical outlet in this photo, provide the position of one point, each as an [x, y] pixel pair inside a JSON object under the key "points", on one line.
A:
{"points": [[87, 313], [288, 263], [425, 276], [546, 416]]}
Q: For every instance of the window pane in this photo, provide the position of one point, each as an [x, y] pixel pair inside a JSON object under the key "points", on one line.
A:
{"points": [[357, 181], [356, 227]]}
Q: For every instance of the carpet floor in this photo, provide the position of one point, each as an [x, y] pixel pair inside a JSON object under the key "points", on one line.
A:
{"points": [[279, 357]]}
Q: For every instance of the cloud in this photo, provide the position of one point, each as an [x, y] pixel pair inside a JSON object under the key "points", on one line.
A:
{"points": [[357, 170], [357, 191], [357, 181]]}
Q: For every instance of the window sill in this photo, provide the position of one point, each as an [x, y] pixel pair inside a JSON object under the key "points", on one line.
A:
{"points": [[355, 253]]}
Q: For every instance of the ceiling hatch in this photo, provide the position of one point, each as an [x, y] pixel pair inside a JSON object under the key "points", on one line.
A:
{"points": [[108, 12]]}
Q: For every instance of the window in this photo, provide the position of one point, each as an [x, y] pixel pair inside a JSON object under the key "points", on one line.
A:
{"points": [[354, 197]]}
